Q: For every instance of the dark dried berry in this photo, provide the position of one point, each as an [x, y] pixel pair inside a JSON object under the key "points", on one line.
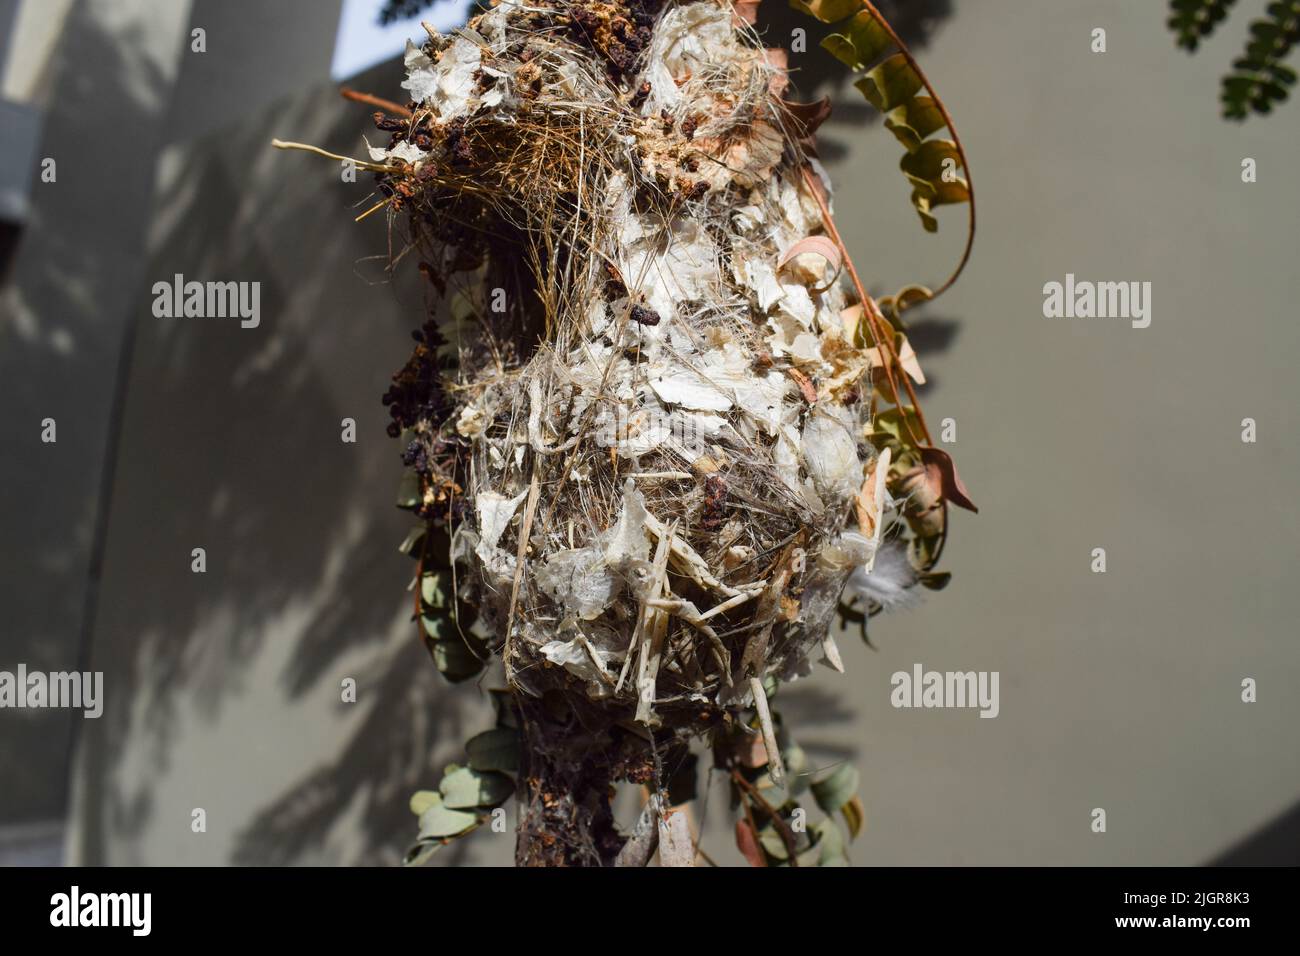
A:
{"points": [[390, 124], [643, 316]]}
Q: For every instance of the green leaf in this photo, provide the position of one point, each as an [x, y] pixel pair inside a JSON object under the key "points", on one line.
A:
{"points": [[454, 660], [408, 491], [914, 120], [421, 852], [440, 822], [411, 543], [837, 789], [892, 87], [861, 41], [1193, 20], [422, 800], [769, 838], [495, 749], [891, 422], [827, 11], [466, 787], [439, 627], [930, 160], [830, 845], [927, 196], [435, 589], [890, 83]]}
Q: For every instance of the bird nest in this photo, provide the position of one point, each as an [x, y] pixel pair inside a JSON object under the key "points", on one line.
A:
{"points": [[642, 419]]}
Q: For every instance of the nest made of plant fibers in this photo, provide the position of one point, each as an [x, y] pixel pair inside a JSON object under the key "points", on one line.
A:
{"points": [[642, 412]]}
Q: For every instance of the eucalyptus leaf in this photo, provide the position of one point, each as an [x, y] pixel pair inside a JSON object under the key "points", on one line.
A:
{"points": [[495, 749], [439, 627], [440, 821], [830, 845], [837, 789], [454, 660], [409, 494], [421, 852], [435, 589], [466, 787], [422, 800], [411, 543]]}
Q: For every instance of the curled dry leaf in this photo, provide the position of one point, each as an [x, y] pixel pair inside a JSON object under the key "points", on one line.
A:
{"points": [[817, 246], [908, 362], [870, 502], [803, 120], [943, 475], [745, 11], [747, 842]]}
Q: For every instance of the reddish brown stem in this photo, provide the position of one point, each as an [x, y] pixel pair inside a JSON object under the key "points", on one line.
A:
{"points": [[371, 100], [875, 320], [947, 119]]}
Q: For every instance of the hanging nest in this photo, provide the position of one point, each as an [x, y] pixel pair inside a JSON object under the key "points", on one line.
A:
{"points": [[642, 430], [648, 341]]}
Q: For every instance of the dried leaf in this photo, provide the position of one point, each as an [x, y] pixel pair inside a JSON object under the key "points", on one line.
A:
{"points": [[860, 41], [750, 751], [746, 11], [930, 160], [855, 815], [890, 83], [815, 245], [943, 472], [806, 118], [747, 842], [827, 11], [870, 502], [907, 360], [913, 121]]}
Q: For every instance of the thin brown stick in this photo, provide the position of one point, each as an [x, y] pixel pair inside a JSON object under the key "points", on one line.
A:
{"points": [[782, 828], [371, 100]]}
